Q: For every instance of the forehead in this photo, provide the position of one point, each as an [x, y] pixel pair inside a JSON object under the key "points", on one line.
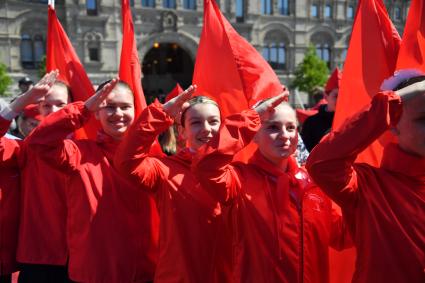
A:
{"points": [[120, 94], [203, 110], [57, 92], [283, 114]]}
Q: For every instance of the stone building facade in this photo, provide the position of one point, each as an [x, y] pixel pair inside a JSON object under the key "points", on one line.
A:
{"points": [[168, 33]]}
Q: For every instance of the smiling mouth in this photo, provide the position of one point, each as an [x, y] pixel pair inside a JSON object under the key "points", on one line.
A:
{"points": [[204, 140]]}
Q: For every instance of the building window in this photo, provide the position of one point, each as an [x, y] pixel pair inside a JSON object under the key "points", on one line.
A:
{"points": [[323, 51], [283, 6], [32, 51], [148, 3], [131, 3], [189, 4], [397, 13], [275, 55], [240, 10], [94, 54], [92, 42], [350, 12], [328, 11], [314, 11], [91, 6], [266, 7], [170, 4]]}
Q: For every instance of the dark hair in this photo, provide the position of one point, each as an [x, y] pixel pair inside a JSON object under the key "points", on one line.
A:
{"points": [[408, 82], [197, 100], [65, 85]]}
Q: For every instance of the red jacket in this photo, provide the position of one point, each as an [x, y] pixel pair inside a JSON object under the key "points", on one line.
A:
{"points": [[280, 223], [42, 227], [188, 216], [384, 207], [9, 200], [109, 230]]}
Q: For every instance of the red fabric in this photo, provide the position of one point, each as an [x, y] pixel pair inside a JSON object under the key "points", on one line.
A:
{"points": [[31, 111], [108, 224], [9, 200], [303, 114], [384, 206], [130, 70], [281, 224], [62, 56], [228, 68], [173, 93], [412, 50], [333, 81], [371, 58], [188, 216]]}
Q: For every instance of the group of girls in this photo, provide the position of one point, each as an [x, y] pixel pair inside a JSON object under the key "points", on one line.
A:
{"points": [[113, 210]]}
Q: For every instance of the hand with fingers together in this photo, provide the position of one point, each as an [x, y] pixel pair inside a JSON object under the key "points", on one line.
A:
{"points": [[175, 106], [36, 93], [97, 100], [267, 107]]}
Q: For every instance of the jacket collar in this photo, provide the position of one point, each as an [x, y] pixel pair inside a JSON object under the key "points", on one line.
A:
{"points": [[396, 160], [108, 144], [265, 165], [184, 156]]}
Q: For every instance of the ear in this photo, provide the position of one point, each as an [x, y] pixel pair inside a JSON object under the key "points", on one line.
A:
{"points": [[182, 132]]}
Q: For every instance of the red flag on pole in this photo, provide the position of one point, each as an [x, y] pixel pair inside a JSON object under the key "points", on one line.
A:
{"points": [[130, 69], [371, 58], [62, 56], [228, 68], [412, 50]]}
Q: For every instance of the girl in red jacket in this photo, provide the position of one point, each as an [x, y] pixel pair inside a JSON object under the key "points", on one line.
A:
{"points": [[385, 206], [188, 216], [109, 229], [280, 224]]}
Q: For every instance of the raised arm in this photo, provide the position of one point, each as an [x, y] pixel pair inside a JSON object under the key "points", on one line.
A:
{"points": [[134, 157], [213, 164], [330, 164]]}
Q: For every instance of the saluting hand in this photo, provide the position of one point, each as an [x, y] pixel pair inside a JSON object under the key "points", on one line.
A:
{"points": [[267, 108], [36, 93], [175, 106], [97, 100]]}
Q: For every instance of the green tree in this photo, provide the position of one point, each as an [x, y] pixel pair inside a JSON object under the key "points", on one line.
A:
{"points": [[5, 79], [42, 67], [311, 72]]}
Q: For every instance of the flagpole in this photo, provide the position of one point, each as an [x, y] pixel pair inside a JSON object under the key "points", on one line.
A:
{"points": [[51, 3], [298, 98]]}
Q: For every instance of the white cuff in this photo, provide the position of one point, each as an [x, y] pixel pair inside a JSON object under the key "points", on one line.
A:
{"points": [[7, 113]]}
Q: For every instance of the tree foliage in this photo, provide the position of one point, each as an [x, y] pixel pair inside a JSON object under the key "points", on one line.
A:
{"points": [[42, 67], [5, 79], [311, 72]]}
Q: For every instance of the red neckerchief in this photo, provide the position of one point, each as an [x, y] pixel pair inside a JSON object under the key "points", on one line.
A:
{"points": [[108, 144], [396, 160], [184, 156]]}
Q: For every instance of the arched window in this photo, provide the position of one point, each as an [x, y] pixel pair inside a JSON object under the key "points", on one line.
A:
{"points": [[240, 10], [314, 10], [350, 11], [323, 51], [189, 4], [91, 6], [397, 13], [283, 6], [148, 3], [266, 7], [328, 11], [32, 50], [275, 50], [170, 4], [323, 42]]}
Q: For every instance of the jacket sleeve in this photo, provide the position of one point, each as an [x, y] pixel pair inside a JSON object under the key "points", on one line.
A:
{"points": [[134, 157], [330, 164], [50, 138], [213, 163]]}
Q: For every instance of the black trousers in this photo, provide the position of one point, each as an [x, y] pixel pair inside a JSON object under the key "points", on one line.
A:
{"points": [[40, 273], [6, 278]]}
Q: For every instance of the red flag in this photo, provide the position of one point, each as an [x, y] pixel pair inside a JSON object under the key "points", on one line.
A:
{"points": [[228, 68], [130, 69], [371, 58], [333, 81], [174, 92], [62, 56], [412, 50]]}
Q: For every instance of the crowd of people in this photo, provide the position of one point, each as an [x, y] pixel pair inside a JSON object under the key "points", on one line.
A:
{"points": [[116, 209]]}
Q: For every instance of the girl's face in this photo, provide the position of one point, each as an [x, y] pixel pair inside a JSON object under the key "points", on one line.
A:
{"points": [[201, 123], [117, 114], [278, 136]]}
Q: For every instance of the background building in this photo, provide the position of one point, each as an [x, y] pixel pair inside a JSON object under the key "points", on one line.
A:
{"points": [[168, 34]]}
